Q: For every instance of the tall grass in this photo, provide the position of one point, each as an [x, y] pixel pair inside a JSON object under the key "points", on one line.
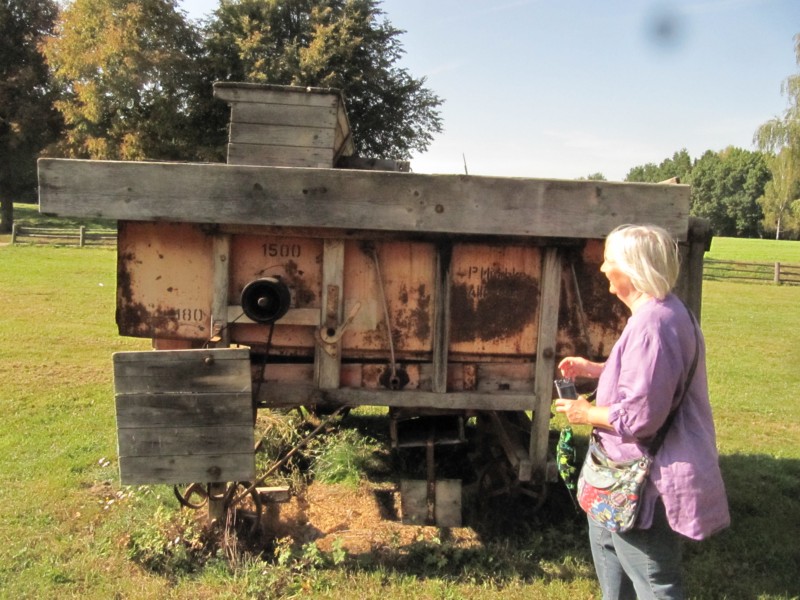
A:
{"points": [[69, 530]]}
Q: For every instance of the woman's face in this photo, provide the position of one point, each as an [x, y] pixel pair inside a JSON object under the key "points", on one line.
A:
{"points": [[619, 284]]}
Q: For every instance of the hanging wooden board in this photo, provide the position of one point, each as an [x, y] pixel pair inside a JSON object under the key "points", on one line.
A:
{"points": [[184, 416]]}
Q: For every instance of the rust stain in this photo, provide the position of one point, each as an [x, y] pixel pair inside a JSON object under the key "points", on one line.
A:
{"points": [[499, 308], [134, 318], [605, 316], [304, 296], [413, 318]]}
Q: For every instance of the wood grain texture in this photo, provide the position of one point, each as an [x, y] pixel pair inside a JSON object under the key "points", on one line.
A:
{"points": [[373, 200]]}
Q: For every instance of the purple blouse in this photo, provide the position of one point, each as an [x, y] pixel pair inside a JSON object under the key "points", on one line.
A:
{"points": [[641, 381]]}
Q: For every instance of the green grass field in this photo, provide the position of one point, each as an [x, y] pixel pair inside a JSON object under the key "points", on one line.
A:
{"points": [[749, 250], [69, 530]]}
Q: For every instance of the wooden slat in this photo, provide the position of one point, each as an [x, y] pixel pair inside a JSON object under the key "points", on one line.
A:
{"points": [[185, 441], [282, 135], [301, 394], [221, 263], [283, 114], [206, 371], [441, 316], [282, 156], [375, 200], [294, 316], [545, 362], [140, 470], [266, 94], [188, 410], [328, 366]]}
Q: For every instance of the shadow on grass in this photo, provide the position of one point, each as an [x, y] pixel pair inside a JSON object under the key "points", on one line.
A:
{"points": [[759, 555]]}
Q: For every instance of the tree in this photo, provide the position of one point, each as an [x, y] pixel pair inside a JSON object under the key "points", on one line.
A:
{"points": [[28, 121], [129, 74], [781, 136], [594, 177], [726, 187], [680, 166], [781, 199], [343, 44]]}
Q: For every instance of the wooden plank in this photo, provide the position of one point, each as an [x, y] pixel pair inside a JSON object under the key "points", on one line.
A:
{"points": [[441, 316], [328, 359], [188, 410], [221, 263], [273, 94], [140, 470], [690, 283], [211, 370], [180, 441], [282, 156], [353, 200], [301, 394], [282, 135], [294, 316], [545, 362], [283, 114]]}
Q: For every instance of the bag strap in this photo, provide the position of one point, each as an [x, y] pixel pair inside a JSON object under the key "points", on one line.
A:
{"points": [[662, 433]]}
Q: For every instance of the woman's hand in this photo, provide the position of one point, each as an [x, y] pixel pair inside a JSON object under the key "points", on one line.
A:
{"points": [[577, 366], [583, 412], [576, 411]]}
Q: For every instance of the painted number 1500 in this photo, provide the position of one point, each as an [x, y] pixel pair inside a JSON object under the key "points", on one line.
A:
{"points": [[282, 250]]}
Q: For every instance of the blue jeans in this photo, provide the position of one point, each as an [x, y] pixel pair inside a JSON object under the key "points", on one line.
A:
{"points": [[640, 563]]}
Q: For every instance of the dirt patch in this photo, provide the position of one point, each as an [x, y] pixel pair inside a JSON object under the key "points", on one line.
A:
{"points": [[364, 520]]}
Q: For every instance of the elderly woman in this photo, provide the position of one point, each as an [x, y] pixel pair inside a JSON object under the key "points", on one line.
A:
{"points": [[639, 385]]}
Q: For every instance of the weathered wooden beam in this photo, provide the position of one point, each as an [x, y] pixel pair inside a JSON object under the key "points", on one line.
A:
{"points": [[545, 360], [355, 200], [284, 395]]}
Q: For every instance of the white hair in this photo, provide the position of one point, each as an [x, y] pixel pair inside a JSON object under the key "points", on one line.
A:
{"points": [[647, 254]]}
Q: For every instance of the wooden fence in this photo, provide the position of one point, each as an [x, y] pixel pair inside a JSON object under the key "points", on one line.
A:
{"points": [[78, 235], [757, 272]]}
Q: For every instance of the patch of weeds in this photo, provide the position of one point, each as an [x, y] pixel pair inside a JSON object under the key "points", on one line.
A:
{"points": [[342, 457], [171, 544]]}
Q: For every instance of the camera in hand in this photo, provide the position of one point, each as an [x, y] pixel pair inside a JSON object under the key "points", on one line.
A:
{"points": [[566, 388]]}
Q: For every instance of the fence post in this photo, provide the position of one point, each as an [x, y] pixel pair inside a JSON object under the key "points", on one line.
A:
{"points": [[13, 233], [82, 236], [777, 277]]}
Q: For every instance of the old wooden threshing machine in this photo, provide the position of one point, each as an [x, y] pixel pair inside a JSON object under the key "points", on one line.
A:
{"points": [[354, 282]]}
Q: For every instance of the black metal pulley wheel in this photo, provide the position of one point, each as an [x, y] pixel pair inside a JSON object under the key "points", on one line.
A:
{"points": [[265, 300]]}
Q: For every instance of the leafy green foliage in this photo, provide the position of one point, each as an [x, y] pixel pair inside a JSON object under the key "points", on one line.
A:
{"points": [[680, 166], [781, 199], [726, 187], [781, 136], [28, 122], [128, 72], [342, 44]]}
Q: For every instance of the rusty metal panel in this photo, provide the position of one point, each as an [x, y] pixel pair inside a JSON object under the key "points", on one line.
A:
{"points": [[406, 281], [297, 261], [590, 318], [164, 275], [494, 299]]}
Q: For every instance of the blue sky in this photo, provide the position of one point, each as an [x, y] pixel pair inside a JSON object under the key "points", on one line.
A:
{"points": [[566, 88]]}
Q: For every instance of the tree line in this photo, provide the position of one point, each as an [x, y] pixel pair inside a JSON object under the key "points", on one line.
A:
{"points": [[125, 80]]}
